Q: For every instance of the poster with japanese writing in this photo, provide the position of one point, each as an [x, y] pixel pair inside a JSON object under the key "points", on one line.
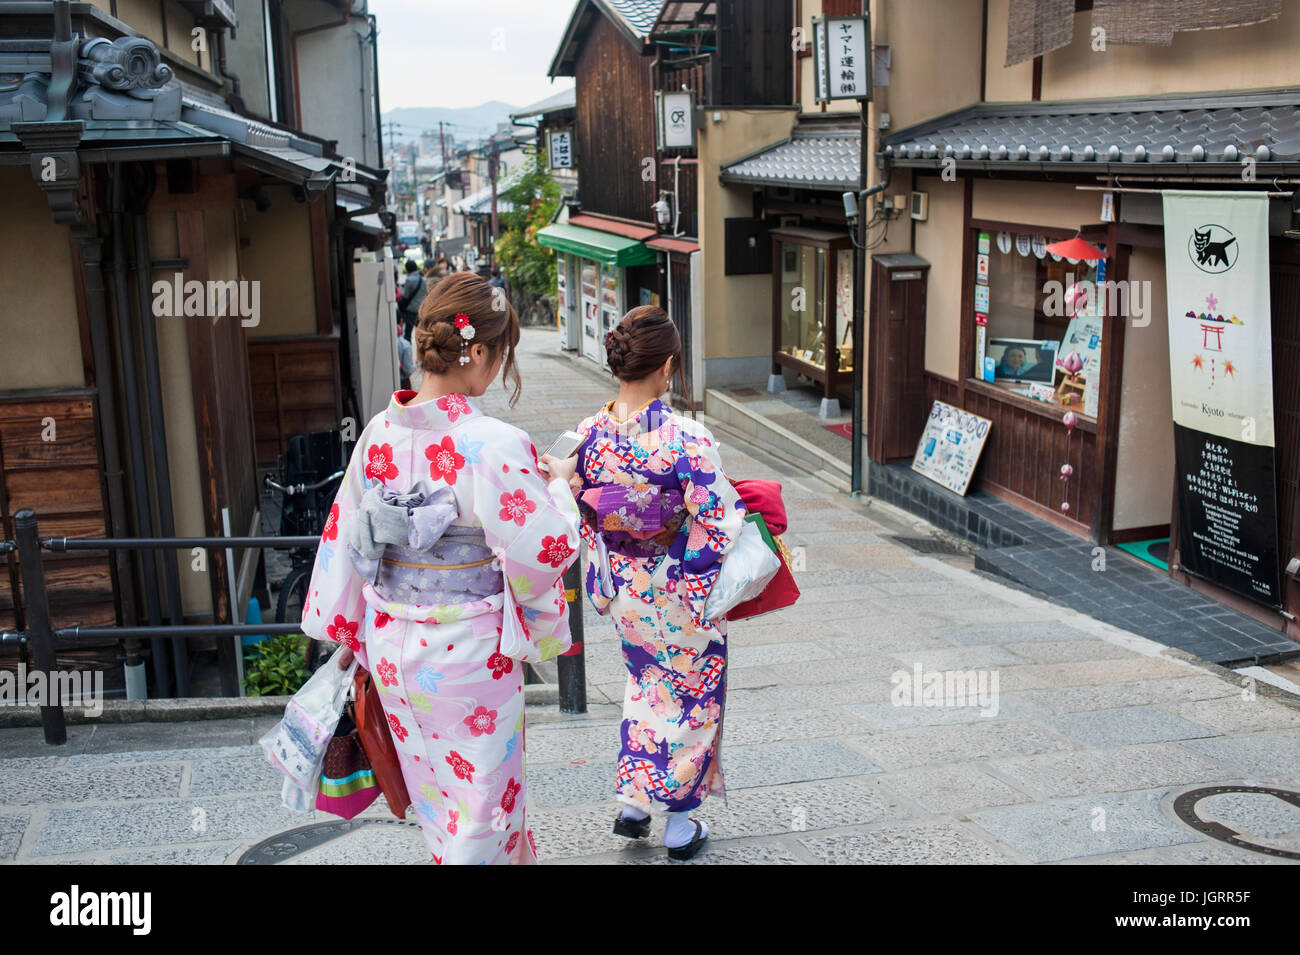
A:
{"points": [[950, 446], [1221, 389]]}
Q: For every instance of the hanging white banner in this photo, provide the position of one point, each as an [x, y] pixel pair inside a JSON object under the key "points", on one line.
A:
{"points": [[1221, 374], [1220, 344]]}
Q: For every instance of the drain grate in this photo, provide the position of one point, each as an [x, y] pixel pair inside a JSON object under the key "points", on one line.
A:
{"points": [[929, 545], [1185, 809], [286, 845]]}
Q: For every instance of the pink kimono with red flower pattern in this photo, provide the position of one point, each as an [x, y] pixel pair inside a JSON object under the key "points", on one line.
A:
{"points": [[431, 638]]}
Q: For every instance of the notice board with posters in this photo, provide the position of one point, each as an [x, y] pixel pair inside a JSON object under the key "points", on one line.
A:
{"points": [[950, 446], [1221, 387]]}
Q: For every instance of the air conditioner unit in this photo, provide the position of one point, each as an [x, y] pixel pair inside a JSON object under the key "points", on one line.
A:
{"points": [[920, 206]]}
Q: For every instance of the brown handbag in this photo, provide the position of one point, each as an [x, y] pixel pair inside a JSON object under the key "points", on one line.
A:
{"points": [[377, 741]]}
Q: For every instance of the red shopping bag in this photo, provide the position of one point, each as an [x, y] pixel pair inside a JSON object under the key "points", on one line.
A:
{"points": [[764, 497]]}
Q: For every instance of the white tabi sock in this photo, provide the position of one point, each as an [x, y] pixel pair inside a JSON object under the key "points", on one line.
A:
{"points": [[632, 814], [681, 829]]}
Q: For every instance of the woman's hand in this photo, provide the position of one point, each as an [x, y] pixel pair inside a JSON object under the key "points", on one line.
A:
{"points": [[345, 657], [555, 468]]}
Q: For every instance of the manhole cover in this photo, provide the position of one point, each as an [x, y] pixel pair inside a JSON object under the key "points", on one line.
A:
{"points": [[929, 545], [283, 846], [1185, 810]]}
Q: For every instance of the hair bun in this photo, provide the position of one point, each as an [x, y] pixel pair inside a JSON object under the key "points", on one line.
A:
{"points": [[617, 343]]}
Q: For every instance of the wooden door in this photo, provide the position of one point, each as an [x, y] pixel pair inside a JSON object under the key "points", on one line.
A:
{"points": [[896, 409]]}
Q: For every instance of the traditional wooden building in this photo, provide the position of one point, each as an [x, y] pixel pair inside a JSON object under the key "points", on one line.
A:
{"points": [[1036, 137], [648, 226], [177, 242]]}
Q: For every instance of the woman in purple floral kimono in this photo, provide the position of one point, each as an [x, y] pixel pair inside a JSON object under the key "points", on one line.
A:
{"points": [[440, 569], [657, 514]]}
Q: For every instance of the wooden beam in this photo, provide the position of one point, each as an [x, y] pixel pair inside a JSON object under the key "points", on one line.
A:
{"points": [[966, 326], [320, 262], [1109, 398]]}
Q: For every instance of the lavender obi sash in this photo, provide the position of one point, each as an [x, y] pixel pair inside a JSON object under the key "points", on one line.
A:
{"points": [[406, 546], [639, 511]]}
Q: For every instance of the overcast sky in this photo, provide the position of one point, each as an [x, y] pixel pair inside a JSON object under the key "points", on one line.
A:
{"points": [[466, 52]]}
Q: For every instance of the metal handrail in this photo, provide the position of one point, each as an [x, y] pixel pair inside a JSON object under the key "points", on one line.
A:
{"points": [[41, 635], [62, 544]]}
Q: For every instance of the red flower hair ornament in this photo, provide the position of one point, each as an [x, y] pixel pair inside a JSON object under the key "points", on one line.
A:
{"points": [[466, 333]]}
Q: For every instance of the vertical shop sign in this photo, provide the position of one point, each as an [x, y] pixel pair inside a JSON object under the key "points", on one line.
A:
{"points": [[1221, 377]]}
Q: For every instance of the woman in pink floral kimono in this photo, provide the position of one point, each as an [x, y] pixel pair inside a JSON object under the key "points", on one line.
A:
{"points": [[658, 514], [440, 569]]}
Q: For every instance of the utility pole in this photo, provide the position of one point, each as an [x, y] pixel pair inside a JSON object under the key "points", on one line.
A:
{"points": [[442, 145], [395, 159], [492, 173]]}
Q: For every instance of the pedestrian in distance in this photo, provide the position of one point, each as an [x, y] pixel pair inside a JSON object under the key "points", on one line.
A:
{"points": [[405, 357], [658, 513], [414, 288], [440, 569]]}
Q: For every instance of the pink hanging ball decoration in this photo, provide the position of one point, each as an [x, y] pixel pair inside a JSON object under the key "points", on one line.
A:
{"points": [[1066, 471], [1072, 363], [1065, 507], [1069, 420], [1076, 298]]}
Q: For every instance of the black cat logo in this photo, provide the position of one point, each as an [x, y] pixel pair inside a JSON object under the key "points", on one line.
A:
{"points": [[1212, 248]]}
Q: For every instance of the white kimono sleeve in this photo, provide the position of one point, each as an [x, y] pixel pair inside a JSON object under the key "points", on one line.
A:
{"points": [[335, 609], [532, 526]]}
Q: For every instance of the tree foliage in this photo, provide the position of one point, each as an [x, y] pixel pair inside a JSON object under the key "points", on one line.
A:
{"points": [[534, 198]]}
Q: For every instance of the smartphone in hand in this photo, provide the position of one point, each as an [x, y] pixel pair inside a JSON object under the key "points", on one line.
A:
{"points": [[565, 446]]}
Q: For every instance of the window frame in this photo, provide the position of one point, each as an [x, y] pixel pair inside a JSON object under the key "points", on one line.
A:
{"points": [[974, 227]]}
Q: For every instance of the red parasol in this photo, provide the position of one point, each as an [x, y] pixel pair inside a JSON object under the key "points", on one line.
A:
{"points": [[1076, 248]]}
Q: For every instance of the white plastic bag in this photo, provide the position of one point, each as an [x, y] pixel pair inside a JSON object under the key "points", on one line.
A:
{"points": [[747, 567], [296, 746]]}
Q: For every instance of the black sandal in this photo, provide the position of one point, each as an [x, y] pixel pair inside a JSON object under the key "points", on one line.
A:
{"points": [[682, 853], [631, 828]]}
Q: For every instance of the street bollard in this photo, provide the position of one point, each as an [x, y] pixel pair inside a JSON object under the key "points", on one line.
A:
{"points": [[572, 666], [40, 632]]}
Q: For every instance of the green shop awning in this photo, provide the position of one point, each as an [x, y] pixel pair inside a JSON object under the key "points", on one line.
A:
{"points": [[603, 247]]}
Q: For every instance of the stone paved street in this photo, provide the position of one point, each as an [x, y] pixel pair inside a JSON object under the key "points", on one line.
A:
{"points": [[1094, 734]]}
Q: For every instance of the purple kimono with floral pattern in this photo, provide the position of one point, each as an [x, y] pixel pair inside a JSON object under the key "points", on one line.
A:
{"points": [[658, 514]]}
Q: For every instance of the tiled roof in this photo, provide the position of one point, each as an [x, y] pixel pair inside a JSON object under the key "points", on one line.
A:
{"points": [[1210, 129], [639, 15], [118, 109], [633, 18], [480, 203], [565, 99], [816, 156]]}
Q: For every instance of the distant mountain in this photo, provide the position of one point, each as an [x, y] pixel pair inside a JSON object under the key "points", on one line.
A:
{"points": [[465, 122]]}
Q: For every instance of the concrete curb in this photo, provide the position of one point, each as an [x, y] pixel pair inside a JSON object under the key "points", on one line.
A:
{"points": [[201, 708], [154, 711], [1105, 631]]}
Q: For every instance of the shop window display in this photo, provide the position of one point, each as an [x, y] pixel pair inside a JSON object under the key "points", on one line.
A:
{"points": [[1038, 320], [803, 303]]}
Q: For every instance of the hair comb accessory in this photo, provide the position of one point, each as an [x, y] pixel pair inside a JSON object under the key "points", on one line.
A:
{"points": [[462, 323]]}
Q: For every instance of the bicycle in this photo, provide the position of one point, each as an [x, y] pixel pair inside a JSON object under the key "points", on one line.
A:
{"points": [[306, 498]]}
